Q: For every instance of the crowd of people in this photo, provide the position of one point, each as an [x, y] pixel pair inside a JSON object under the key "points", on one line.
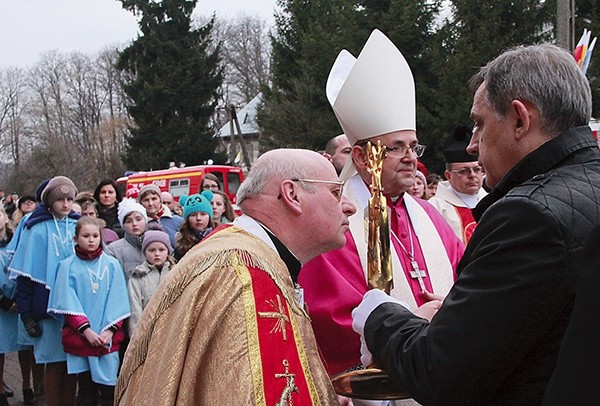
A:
{"points": [[78, 268], [129, 301]]}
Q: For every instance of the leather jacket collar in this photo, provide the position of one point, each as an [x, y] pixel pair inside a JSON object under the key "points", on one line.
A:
{"points": [[541, 161]]}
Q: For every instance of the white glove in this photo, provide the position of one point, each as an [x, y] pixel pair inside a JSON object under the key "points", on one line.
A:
{"points": [[364, 402], [360, 314], [366, 358]]}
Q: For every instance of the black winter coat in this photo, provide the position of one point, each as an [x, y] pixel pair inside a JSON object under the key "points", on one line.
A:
{"points": [[496, 338], [576, 379]]}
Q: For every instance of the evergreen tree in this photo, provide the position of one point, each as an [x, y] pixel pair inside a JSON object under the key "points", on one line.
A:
{"points": [[173, 81], [476, 33], [309, 35], [410, 25]]}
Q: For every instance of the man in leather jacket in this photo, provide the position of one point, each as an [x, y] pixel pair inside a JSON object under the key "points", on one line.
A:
{"points": [[575, 379], [496, 337]]}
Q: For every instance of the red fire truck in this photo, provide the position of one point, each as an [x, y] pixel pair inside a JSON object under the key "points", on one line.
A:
{"points": [[183, 181]]}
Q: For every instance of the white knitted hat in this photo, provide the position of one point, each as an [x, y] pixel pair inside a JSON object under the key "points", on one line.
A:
{"points": [[126, 206]]}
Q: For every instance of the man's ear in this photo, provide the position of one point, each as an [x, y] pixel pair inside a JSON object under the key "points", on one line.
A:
{"points": [[447, 174], [523, 113], [288, 194], [359, 157]]}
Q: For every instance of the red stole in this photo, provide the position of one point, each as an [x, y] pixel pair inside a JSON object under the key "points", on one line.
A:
{"points": [[467, 222], [286, 375]]}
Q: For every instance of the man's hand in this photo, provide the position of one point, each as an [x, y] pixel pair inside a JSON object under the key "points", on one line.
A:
{"points": [[344, 401], [429, 309], [366, 358], [371, 300]]}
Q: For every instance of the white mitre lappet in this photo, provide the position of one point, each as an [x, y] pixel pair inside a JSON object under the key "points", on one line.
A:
{"points": [[373, 94]]}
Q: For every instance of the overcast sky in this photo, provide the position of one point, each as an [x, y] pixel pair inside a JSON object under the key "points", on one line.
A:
{"points": [[29, 28]]}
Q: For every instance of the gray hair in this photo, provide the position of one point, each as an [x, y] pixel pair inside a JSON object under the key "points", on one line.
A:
{"points": [[545, 75], [268, 170]]}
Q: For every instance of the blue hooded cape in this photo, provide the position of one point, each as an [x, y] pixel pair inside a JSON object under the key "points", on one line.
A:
{"points": [[97, 290], [34, 265]]}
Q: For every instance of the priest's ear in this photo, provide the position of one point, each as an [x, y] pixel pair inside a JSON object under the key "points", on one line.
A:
{"points": [[288, 194], [359, 156]]}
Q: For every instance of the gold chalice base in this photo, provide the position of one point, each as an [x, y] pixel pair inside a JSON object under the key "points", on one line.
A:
{"points": [[370, 383]]}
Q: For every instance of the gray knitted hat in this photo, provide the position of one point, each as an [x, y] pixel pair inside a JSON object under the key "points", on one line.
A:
{"points": [[149, 188], [151, 236], [58, 188]]}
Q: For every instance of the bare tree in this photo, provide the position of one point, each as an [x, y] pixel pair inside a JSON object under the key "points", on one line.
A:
{"points": [[114, 127], [13, 101], [83, 104], [116, 119], [47, 112], [70, 111], [96, 109], [246, 57], [245, 49]]}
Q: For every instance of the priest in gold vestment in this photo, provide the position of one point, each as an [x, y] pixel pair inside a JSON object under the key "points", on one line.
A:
{"points": [[228, 326]]}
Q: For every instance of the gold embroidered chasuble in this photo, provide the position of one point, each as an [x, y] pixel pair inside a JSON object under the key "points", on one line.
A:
{"points": [[225, 328]]}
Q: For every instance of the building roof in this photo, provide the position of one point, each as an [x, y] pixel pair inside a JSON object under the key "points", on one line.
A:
{"points": [[247, 118]]}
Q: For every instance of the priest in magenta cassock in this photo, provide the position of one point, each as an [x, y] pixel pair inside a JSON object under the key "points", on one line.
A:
{"points": [[373, 97]]}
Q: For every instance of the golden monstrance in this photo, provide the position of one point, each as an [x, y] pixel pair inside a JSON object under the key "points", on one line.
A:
{"points": [[373, 383]]}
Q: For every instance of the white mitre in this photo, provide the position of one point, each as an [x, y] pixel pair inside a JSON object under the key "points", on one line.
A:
{"points": [[373, 94]]}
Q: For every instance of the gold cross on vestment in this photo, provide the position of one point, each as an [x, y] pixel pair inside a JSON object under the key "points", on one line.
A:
{"points": [[277, 314], [290, 386]]}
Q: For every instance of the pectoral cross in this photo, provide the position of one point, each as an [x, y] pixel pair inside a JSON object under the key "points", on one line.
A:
{"points": [[418, 274]]}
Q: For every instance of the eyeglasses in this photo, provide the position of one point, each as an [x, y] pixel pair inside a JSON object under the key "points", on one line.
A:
{"points": [[336, 192], [401, 151], [467, 171]]}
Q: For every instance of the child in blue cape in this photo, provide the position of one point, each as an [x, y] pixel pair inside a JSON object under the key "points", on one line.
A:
{"points": [[9, 319], [46, 239], [91, 293], [29, 368]]}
